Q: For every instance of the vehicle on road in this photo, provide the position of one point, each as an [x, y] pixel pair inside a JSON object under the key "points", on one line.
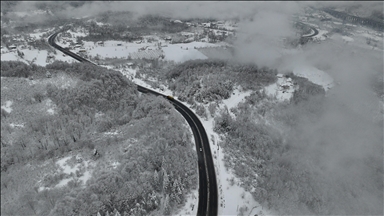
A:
{"points": [[170, 97], [201, 149]]}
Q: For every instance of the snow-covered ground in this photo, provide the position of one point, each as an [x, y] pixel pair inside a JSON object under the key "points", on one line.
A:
{"points": [[231, 197], [359, 39], [347, 39], [10, 56], [16, 125], [178, 54], [51, 106], [77, 34], [98, 23], [314, 75], [186, 51], [190, 207], [67, 169], [321, 36], [111, 50], [7, 106], [38, 57], [172, 52], [236, 97], [282, 90]]}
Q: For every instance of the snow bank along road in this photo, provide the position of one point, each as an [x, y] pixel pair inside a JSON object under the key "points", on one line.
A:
{"points": [[207, 178]]}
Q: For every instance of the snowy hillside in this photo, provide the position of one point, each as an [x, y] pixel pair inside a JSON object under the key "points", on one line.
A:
{"points": [[314, 75]]}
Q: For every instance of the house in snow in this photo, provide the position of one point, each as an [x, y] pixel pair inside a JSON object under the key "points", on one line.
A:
{"points": [[207, 25], [50, 55], [131, 65], [12, 47]]}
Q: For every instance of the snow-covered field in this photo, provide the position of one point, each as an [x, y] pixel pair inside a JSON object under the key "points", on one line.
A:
{"points": [[11, 56], [172, 52], [178, 54], [38, 57]]}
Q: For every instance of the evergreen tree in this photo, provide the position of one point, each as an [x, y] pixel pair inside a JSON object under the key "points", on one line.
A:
{"points": [[165, 181], [117, 213], [166, 209], [156, 178]]}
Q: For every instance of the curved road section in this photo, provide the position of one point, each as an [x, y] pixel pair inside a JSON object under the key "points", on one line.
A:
{"points": [[314, 31], [208, 198]]}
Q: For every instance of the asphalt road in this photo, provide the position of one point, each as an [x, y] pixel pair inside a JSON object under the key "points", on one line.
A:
{"points": [[208, 198], [315, 31]]}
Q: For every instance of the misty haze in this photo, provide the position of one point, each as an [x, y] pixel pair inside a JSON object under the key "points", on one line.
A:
{"points": [[192, 108]]}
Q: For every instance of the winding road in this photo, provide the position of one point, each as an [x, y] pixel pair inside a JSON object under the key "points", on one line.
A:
{"points": [[208, 196], [314, 31]]}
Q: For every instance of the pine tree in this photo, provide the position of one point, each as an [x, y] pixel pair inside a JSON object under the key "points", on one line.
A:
{"points": [[117, 213], [156, 177], [165, 180], [166, 205]]}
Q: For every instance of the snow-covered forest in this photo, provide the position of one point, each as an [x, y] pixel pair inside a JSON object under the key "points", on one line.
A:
{"points": [[159, 162]]}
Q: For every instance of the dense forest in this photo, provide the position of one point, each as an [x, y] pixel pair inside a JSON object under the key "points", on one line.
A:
{"points": [[118, 28], [208, 80], [153, 176]]}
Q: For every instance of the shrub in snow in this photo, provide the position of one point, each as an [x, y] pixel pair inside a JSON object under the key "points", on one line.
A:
{"points": [[200, 110], [212, 108]]}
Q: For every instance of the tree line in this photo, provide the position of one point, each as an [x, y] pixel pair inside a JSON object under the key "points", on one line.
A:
{"points": [[212, 79]]}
